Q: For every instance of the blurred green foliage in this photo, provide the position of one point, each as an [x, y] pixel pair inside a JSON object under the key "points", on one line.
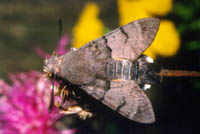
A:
{"points": [[186, 16]]}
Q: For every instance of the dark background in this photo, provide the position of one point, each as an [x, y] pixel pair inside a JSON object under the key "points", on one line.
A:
{"points": [[26, 24]]}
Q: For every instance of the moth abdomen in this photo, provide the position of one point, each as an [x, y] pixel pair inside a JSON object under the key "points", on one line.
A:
{"points": [[119, 69], [142, 70]]}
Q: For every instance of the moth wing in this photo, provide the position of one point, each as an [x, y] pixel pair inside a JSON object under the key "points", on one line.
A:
{"points": [[126, 98], [130, 41]]}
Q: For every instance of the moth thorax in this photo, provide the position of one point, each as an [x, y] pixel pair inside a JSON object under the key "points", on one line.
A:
{"points": [[142, 70]]}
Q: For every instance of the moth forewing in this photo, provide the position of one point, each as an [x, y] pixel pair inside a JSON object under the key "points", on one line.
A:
{"points": [[131, 40]]}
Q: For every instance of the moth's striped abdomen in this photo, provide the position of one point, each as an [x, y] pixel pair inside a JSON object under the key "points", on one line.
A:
{"points": [[120, 69], [142, 70]]}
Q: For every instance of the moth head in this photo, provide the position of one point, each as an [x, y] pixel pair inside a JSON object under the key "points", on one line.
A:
{"points": [[52, 66]]}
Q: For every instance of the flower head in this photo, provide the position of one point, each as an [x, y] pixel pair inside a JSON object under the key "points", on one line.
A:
{"points": [[24, 105]]}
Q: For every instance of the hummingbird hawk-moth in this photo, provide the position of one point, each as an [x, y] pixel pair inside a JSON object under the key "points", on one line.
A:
{"points": [[111, 69]]}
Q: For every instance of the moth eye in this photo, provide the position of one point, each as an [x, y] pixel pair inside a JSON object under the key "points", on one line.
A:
{"points": [[52, 64]]}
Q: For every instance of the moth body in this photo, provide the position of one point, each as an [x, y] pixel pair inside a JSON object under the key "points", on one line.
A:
{"points": [[112, 70]]}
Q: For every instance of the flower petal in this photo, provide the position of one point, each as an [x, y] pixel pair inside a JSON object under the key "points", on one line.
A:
{"points": [[88, 27], [137, 9], [130, 11], [157, 7], [62, 44]]}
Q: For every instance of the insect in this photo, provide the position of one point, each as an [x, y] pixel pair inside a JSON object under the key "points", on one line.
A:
{"points": [[111, 69]]}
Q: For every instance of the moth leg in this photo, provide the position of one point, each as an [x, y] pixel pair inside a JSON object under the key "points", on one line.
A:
{"points": [[64, 93], [57, 91], [83, 114]]}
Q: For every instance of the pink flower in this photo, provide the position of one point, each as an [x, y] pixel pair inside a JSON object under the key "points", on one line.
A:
{"points": [[24, 106], [61, 49]]}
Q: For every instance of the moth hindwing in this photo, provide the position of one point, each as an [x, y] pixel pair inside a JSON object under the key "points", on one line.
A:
{"points": [[104, 68]]}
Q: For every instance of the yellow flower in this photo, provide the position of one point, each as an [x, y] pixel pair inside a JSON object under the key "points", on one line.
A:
{"points": [[131, 10], [137, 9], [167, 41], [88, 27], [157, 7]]}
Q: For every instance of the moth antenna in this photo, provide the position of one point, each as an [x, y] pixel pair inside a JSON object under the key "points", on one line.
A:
{"points": [[55, 52], [59, 28], [52, 95], [178, 73]]}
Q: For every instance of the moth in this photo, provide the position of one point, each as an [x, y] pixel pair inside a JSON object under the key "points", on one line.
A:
{"points": [[112, 70], [108, 69]]}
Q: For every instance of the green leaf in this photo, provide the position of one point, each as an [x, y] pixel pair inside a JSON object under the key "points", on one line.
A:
{"points": [[182, 28], [106, 30], [194, 45], [195, 25], [184, 11]]}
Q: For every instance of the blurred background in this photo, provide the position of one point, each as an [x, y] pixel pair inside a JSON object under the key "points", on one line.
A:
{"points": [[29, 24]]}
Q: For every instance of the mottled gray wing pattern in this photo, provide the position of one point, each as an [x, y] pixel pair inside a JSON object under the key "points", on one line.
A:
{"points": [[129, 41], [126, 98]]}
